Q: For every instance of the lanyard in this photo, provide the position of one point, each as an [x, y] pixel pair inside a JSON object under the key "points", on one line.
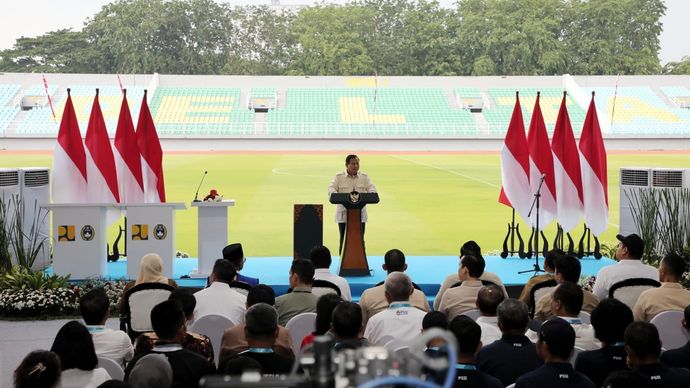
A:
{"points": [[396, 305], [259, 350], [95, 329], [465, 366]]}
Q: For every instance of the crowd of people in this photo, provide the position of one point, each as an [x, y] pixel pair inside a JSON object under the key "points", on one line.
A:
{"points": [[525, 341]]}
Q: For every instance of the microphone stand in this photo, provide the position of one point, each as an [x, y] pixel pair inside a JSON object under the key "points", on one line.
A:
{"points": [[196, 195], [537, 195]]}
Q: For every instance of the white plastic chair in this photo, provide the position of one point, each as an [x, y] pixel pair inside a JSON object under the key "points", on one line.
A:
{"points": [[213, 326], [670, 329], [474, 314], [511, 385], [585, 317], [299, 327], [113, 368]]}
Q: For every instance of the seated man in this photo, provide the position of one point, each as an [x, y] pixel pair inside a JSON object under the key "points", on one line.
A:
{"points": [[670, 296], [488, 299], [643, 346], [514, 354], [95, 309], [320, 256], [400, 321], [567, 299], [346, 326], [549, 274], [556, 342], [167, 319], [219, 298], [300, 300], [467, 333], [457, 300], [609, 320], [680, 358], [234, 341], [373, 300], [235, 255], [261, 331]]}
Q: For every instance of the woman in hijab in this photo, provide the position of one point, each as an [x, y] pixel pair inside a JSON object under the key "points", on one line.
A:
{"points": [[150, 271]]}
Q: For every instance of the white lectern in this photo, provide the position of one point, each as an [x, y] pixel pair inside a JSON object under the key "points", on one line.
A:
{"points": [[151, 229], [213, 233], [80, 238]]}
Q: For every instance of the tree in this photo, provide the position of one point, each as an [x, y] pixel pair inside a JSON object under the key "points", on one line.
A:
{"points": [[62, 51], [678, 68]]}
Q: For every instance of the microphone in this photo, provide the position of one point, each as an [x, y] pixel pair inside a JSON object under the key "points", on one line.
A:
{"points": [[196, 195]]}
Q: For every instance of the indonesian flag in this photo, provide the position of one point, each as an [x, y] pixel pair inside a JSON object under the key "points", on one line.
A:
{"points": [[127, 157], [152, 156], [541, 163], [69, 160], [515, 165], [566, 166], [594, 182], [100, 161]]}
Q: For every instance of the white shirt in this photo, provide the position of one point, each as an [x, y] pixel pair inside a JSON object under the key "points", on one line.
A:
{"points": [[490, 330], [344, 183], [624, 269], [400, 322], [78, 378], [219, 298], [112, 344], [584, 334], [341, 282]]}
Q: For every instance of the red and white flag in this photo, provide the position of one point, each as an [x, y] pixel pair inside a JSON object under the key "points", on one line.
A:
{"points": [[594, 179], [127, 157], [566, 166], [69, 160], [100, 163], [541, 164], [515, 165], [152, 155]]}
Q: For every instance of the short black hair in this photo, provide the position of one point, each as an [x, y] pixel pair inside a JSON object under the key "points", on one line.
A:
{"points": [[347, 320], [394, 260], [488, 299], [512, 315], [186, 298], [350, 157], [115, 384], [471, 248], [569, 267], [324, 312], [467, 332], [675, 264], [473, 265], [320, 256], [550, 258], [167, 318], [261, 321], [239, 364], [559, 337], [609, 319], [304, 270], [224, 271], [94, 305], [643, 339], [261, 293], [435, 319], [571, 297], [74, 347], [30, 374], [625, 378]]}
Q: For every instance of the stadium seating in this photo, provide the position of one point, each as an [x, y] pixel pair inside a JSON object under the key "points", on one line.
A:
{"points": [[7, 113]]}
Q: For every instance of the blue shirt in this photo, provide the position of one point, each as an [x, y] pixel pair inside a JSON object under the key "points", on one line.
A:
{"points": [[246, 279]]}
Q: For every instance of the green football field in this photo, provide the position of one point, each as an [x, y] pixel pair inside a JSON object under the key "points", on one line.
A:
{"points": [[430, 202]]}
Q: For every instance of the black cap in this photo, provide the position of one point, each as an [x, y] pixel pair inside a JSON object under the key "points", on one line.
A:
{"points": [[634, 244], [558, 334], [233, 252]]}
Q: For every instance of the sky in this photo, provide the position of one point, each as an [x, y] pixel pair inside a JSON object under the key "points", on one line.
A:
{"points": [[36, 17]]}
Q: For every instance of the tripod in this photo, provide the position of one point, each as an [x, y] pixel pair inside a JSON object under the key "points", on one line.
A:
{"points": [[537, 195]]}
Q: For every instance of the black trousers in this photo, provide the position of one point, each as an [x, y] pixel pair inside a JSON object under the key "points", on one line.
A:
{"points": [[341, 227]]}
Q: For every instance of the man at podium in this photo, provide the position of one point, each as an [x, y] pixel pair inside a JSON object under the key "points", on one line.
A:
{"points": [[346, 182]]}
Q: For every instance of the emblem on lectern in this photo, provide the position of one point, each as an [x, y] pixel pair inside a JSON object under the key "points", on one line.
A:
{"points": [[87, 233], [65, 233], [140, 232], [160, 232], [354, 197]]}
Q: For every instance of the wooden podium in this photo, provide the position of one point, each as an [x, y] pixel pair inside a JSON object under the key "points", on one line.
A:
{"points": [[353, 261]]}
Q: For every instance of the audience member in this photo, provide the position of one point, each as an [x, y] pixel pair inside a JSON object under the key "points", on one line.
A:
{"points": [[113, 344], [346, 326], [464, 297], [549, 274], [234, 254], [74, 346], [555, 344], [151, 371], [150, 271], [324, 313], [219, 298], [400, 321], [565, 304], [680, 357], [568, 269], [609, 320], [300, 300], [168, 321], [628, 254], [373, 300], [320, 256], [670, 296], [467, 334], [626, 379], [434, 319], [488, 299], [514, 354], [234, 340], [643, 346], [39, 369], [261, 331]]}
